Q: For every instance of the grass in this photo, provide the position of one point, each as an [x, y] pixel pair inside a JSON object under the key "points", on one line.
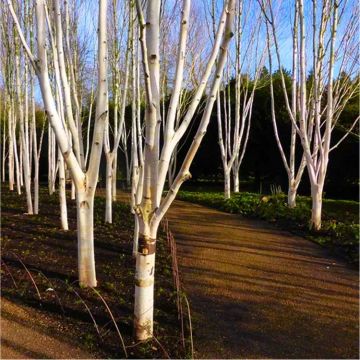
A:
{"points": [[340, 223]]}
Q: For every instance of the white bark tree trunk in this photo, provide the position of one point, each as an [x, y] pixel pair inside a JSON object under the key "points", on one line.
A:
{"points": [[85, 234], [292, 191], [73, 191], [227, 184], [114, 178], [11, 169], [119, 122], [144, 282], [36, 187], [320, 106], [152, 207], [21, 166], [62, 193], [109, 187], [3, 115], [316, 209], [24, 141], [236, 181], [234, 122], [17, 162], [51, 157], [85, 182]]}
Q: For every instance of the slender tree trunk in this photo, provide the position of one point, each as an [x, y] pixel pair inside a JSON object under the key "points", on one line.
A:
{"points": [[50, 160], [36, 152], [36, 187], [114, 177], [62, 192], [17, 165], [236, 181], [21, 166], [128, 168], [53, 163], [85, 230], [292, 191], [4, 153], [73, 191], [11, 151], [109, 178], [316, 197], [227, 184], [144, 282]]}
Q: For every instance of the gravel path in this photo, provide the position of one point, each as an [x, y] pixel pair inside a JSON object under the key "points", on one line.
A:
{"points": [[257, 292], [27, 333]]}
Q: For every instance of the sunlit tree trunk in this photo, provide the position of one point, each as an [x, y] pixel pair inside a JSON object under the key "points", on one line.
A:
{"points": [[320, 106], [227, 184], [152, 207], [294, 176], [85, 183], [136, 136], [234, 121], [11, 169], [62, 193], [119, 122], [15, 147], [25, 155], [3, 164], [236, 181]]}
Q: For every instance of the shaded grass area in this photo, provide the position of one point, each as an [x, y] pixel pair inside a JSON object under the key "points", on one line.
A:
{"points": [[35, 242], [340, 225]]}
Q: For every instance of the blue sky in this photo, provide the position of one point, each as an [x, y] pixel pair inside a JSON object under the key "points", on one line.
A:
{"points": [[87, 23]]}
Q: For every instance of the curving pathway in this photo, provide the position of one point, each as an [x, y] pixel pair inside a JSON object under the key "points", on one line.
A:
{"points": [[258, 292]]}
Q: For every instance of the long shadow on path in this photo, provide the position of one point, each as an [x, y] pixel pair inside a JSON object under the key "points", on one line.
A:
{"points": [[259, 292]]}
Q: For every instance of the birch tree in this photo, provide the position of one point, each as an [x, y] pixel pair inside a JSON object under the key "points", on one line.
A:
{"points": [[21, 102], [137, 154], [152, 207], [4, 139], [332, 42], [9, 71], [36, 143], [6, 72], [119, 92], [294, 173], [85, 181], [234, 122]]}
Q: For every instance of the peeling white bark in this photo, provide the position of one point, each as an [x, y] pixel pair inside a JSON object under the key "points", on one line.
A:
{"points": [[85, 183], [152, 207]]}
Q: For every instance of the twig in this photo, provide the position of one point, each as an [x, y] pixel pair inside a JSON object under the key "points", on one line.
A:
{"points": [[87, 308], [190, 326], [53, 288], [8, 270], [162, 348], [113, 319], [28, 272]]}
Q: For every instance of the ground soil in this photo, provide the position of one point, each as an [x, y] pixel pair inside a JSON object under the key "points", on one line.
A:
{"points": [[258, 292], [54, 322], [255, 291]]}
